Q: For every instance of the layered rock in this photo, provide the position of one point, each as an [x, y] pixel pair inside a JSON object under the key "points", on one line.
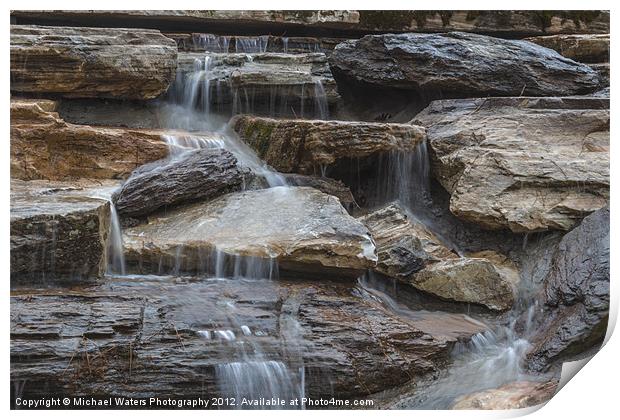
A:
{"points": [[501, 172], [303, 146], [198, 175], [575, 295], [152, 336], [58, 231], [591, 48], [513, 395], [459, 65], [299, 228], [503, 22], [43, 146], [91, 62], [327, 185], [265, 83], [409, 252]]}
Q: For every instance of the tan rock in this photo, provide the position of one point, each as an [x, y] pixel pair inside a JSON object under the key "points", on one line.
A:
{"points": [[513, 395], [526, 164], [43, 146], [91, 62], [590, 48], [303, 146], [300, 228]]}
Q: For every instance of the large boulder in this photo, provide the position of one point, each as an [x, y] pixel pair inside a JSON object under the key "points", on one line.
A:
{"points": [[327, 185], [58, 231], [591, 48], [575, 295], [91, 62], [306, 146], [43, 146], [502, 22], [527, 164], [196, 175], [459, 65], [511, 396], [299, 228]]}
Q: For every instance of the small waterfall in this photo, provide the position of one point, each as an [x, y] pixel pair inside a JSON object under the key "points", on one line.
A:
{"points": [[252, 45], [211, 43], [285, 44], [116, 260], [320, 101]]}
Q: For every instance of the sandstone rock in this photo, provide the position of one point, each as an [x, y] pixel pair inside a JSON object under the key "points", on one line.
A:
{"points": [[404, 246], [575, 295], [503, 22], [589, 48], [58, 231], [43, 146], [194, 176], [470, 280], [299, 228], [513, 395], [91, 62], [324, 184], [261, 83], [152, 336], [459, 65], [304, 146], [502, 172]]}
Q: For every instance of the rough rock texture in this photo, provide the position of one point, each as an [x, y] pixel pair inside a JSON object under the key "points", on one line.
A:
{"points": [[404, 246], [158, 337], [585, 48], [324, 184], [300, 228], [576, 294], [304, 146], [203, 174], [527, 164], [260, 83], [58, 231], [91, 62], [603, 71], [506, 22], [459, 65], [513, 395], [43, 146]]}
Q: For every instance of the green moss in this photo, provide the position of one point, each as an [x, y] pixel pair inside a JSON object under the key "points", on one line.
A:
{"points": [[259, 134]]}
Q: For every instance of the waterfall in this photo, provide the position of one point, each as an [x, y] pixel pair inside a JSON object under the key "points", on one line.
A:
{"points": [[251, 45], [116, 262], [320, 101]]}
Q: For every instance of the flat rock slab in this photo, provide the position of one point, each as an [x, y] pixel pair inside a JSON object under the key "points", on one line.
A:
{"points": [[299, 228], [513, 395], [91, 62], [305, 146], [153, 336], [58, 231], [458, 64], [43, 146], [524, 164], [591, 48], [196, 175]]}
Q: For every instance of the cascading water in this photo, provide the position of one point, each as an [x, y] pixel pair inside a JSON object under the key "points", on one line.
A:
{"points": [[116, 261]]}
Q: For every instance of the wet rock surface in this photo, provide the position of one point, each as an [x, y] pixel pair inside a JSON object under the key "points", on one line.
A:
{"points": [[91, 62], [58, 231], [327, 185], [502, 173], [43, 146], [299, 228], [194, 176], [160, 336], [511, 396], [575, 295], [459, 64], [591, 48], [304, 146]]}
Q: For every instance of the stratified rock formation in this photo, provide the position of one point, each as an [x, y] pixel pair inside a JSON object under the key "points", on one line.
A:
{"points": [[91, 62], [576, 294], [43, 146], [202, 174], [511, 396], [592, 48], [459, 65], [527, 164], [58, 231], [304, 146], [301, 228]]}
